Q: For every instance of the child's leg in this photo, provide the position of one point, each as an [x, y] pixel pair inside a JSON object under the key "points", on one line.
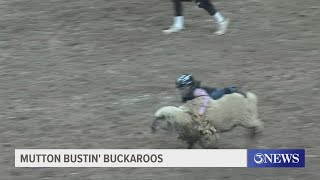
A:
{"points": [[178, 10], [217, 16], [231, 89], [217, 94], [207, 5], [178, 23]]}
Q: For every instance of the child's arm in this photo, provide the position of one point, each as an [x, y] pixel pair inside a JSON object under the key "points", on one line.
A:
{"points": [[206, 98]]}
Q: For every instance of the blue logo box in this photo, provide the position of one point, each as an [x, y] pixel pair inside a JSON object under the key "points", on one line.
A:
{"points": [[276, 158]]}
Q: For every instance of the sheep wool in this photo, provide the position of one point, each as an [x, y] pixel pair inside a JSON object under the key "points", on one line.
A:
{"points": [[221, 115]]}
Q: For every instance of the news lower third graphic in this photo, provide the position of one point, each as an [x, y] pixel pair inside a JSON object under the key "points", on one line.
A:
{"points": [[288, 158], [251, 158]]}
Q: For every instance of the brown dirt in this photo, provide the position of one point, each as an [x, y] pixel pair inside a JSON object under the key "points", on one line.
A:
{"points": [[90, 74]]}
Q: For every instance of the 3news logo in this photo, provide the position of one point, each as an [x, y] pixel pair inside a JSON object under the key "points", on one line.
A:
{"points": [[276, 158]]}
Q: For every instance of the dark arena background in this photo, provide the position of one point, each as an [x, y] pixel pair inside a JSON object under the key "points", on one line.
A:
{"points": [[90, 74]]}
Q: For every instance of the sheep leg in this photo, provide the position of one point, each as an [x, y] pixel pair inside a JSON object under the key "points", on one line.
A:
{"points": [[258, 127], [190, 145], [154, 125], [255, 126]]}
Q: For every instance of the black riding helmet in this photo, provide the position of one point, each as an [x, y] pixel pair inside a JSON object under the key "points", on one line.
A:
{"points": [[185, 80]]}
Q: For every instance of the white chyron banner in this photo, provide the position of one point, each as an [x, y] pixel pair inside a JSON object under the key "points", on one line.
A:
{"points": [[130, 158]]}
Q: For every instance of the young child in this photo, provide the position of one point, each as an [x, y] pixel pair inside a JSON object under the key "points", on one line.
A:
{"points": [[189, 89], [218, 18]]}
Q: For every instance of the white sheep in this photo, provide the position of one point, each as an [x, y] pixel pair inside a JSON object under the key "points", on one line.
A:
{"points": [[222, 115]]}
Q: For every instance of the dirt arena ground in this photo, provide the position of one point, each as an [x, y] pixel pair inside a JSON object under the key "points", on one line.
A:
{"points": [[90, 74]]}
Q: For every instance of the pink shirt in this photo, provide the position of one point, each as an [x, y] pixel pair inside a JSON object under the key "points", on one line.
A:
{"points": [[201, 92]]}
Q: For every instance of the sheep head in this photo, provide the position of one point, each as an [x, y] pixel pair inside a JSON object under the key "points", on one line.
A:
{"points": [[167, 112], [164, 118]]}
